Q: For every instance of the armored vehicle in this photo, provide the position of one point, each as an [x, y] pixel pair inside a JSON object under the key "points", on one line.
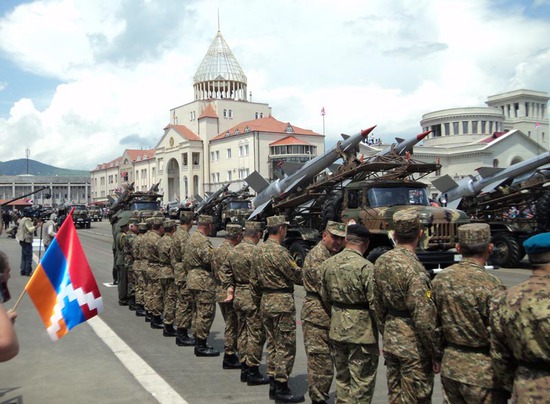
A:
{"points": [[81, 218], [95, 214]]}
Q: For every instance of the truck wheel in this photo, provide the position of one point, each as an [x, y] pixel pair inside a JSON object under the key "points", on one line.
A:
{"points": [[88, 225], [298, 251], [332, 209], [507, 251], [542, 212], [377, 252]]}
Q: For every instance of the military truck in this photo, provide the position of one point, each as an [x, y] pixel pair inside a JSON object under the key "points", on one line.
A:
{"points": [[370, 192], [81, 219], [95, 214], [137, 204], [514, 212]]}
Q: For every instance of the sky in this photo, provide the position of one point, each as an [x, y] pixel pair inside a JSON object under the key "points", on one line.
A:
{"points": [[81, 81]]}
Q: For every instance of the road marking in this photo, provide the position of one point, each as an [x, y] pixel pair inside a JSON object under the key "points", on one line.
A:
{"points": [[144, 374]]}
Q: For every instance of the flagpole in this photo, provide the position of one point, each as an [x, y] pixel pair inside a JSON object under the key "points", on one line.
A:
{"points": [[19, 299]]}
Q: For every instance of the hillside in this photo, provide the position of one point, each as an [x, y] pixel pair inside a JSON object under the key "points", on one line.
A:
{"points": [[19, 167]]}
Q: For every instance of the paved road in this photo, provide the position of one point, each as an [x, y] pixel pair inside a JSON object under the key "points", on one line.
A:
{"points": [[120, 359]]}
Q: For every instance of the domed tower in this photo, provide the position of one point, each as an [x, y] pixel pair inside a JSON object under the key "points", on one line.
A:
{"points": [[219, 76]]}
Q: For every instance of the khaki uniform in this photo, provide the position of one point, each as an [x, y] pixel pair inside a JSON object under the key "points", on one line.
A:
{"points": [[348, 287], [408, 321], [274, 279], [219, 256], [520, 342], [315, 325], [236, 272], [200, 283], [138, 268], [151, 271], [166, 300], [184, 307]]}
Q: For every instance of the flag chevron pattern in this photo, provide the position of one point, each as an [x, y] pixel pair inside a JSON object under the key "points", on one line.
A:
{"points": [[62, 287]]}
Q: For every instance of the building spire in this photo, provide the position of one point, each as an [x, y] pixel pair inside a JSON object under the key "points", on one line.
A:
{"points": [[218, 20]]}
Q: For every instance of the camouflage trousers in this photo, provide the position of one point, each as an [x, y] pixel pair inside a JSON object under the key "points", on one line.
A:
{"points": [[184, 307], [320, 365], [531, 386], [154, 294], [231, 328], [251, 332], [138, 286], [463, 393], [168, 297], [204, 311], [146, 290], [280, 330], [356, 366], [410, 380]]}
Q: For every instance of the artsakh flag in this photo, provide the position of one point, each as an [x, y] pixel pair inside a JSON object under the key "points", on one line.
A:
{"points": [[62, 287]]}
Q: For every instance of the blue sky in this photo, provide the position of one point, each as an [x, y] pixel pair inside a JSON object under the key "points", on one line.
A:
{"points": [[80, 80]]}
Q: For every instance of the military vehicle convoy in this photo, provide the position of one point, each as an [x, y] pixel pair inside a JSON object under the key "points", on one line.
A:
{"points": [[81, 219], [134, 203]]}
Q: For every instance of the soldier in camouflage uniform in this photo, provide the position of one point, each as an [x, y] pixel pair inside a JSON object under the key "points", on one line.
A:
{"points": [[235, 278], [462, 293], [200, 282], [151, 255], [122, 270], [274, 279], [184, 308], [233, 237], [407, 316], [129, 260], [520, 329], [347, 286], [138, 269], [316, 316], [166, 301]]}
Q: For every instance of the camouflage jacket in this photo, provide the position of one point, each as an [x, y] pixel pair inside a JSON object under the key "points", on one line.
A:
{"points": [[313, 310], [236, 271], [520, 330], [197, 260], [120, 241], [274, 270], [164, 247], [402, 286], [128, 249], [150, 253], [179, 239], [347, 286], [462, 295], [137, 252], [219, 256]]}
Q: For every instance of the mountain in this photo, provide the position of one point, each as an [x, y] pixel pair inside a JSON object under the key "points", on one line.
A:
{"points": [[19, 167]]}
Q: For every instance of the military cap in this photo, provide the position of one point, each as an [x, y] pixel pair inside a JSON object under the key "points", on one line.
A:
{"points": [[337, 229], [358, 230], [252, 225], [186, 213], [123, 222], [205, 219], [156, 220], [406, 223], [233, 229], [169, 223], [276, 221], [133, 220], [538, 248], [142, 226], [474, 234]]}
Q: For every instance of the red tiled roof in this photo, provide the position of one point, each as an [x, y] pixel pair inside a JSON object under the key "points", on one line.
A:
{"points": [[110, 164], [289, 140], [266, 124], [493, 137], [135, 153], [208, 112], [184, 131]]}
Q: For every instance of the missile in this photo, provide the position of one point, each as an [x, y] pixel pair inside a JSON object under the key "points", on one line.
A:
{"points": [[403, 145], [488, 179], [212, 197], [266, 192]]}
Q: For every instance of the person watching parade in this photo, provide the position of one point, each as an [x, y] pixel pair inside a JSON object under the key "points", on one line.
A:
{"points": [[25, 235]]}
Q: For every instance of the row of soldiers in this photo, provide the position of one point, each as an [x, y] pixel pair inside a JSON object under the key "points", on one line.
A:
{"points": [[484, 353]]}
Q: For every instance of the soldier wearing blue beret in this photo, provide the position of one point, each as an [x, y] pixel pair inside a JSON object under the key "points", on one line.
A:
{"points": [[519, 324]]}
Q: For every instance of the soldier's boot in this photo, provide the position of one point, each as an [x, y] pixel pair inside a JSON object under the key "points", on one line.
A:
{"points": [[156, 323], [169, 331], [271, 388], [183, 339], [255, 378], [201, 349], [284, 395], [231, 362], [140, 310], [132, 303], [148, 316], [244, 372]]}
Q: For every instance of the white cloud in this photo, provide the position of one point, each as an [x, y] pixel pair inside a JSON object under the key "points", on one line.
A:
{"points": [[124, 64]]}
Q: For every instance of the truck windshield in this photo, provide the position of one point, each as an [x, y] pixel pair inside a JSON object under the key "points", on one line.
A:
{"points": [[397, 196], [239, 205], [145, 206]]}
